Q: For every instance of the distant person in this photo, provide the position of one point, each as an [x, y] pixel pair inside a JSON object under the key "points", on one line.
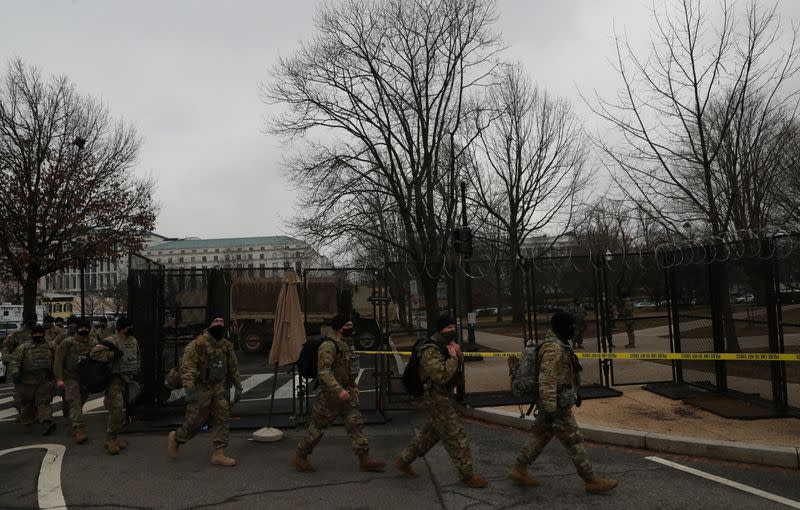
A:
{"points": [[31, 369], [627, 316], [125, 360], [559, 379], [69, 332], [208, 370], [103, 331], [10, 344], [579, 314], [440, 372], [51, 330], [337, 395]]}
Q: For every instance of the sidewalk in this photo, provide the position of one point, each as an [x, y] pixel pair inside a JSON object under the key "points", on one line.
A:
{"points": [[643, 420]]}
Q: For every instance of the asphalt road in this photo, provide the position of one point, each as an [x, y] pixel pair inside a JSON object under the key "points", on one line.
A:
{"points": [[143, 477]]}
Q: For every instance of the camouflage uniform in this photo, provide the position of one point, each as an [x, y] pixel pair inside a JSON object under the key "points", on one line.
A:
{"points": [[34, 363], [208, 369], [338, 367], [440, 374], [558, 386], [68, 353], [10, 345], [627, 315], [125, 368], [51, 333]]}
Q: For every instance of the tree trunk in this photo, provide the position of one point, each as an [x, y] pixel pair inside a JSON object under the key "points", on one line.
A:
{"points": [[430, 293], [517, 300], [498, 271], [29, 290]]}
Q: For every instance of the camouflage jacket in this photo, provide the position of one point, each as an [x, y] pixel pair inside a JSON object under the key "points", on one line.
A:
{"points": [[52, 333], [68, 353], [34, 361], [558, 375], [336, 365], [209, 364], [125, 359], [439, 372], [13, 341]]}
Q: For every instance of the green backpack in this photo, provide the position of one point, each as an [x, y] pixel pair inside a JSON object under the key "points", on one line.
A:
{"points": [[525, 377]]}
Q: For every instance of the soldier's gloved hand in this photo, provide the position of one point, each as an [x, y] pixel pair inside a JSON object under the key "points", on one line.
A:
{"points": [[578, 400], [344, 395], [237, 394], [513, 361], [191, 395], [60, 384]]}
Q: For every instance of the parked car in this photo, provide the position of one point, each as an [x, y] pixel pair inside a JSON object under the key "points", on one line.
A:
{"points": [[646, 305], [486, 312], [744, 298], [6, 328]]}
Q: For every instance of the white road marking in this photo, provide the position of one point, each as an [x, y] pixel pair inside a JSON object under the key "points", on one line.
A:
{"points": [[254, 380], [401, 365], [12, 411], [48, 490], [89, 406], [6, 400], [358, 377], [287, 390], [724, 481]]}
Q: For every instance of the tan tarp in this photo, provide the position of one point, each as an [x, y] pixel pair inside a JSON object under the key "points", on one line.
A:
{"points": [[290, 334]]}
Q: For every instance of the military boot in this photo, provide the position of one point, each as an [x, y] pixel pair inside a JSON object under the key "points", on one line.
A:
{"points": [[365, 463], [218, 458], [405, 468], [301, 463], [475, 482], [172, 445], [600, 485], [79, 433], [111, 445], [48, 427], [520, 475]]}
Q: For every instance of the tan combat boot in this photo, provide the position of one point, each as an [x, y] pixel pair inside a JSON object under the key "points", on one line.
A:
{"points": [[405, 468], [475, 482], [520, 475], [48, 427], [367, 464], [600, 485], [218, 458], [172, 445], [301, 463], [79, 433], [111, 445]]}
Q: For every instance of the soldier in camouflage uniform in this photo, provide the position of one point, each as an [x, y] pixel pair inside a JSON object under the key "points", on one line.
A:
{"points": [[69, 332], [558, 391], [337, 395], [68, 354], [102, 331], [10, 345], [31, 369], [440, 362], [208, 370], [51, 330], [579, 314], [125, 362], [627, 315]]}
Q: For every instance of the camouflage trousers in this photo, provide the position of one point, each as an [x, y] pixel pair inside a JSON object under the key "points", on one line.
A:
{"points": [[34, 402], [114, 402], [75, 396], [209, 406], [443, 425], [562, 425], [326, 409]]}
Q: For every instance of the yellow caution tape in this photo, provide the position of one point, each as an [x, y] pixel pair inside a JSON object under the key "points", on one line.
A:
{"points": [[683, 356]]}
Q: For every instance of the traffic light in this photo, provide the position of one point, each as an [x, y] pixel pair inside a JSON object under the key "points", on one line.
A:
{"points": [[462, 241]]}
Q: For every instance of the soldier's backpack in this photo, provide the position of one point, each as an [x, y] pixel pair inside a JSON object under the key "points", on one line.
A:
{"points": [[412, 380], [95, 374], [307, 361], [525, 377]]}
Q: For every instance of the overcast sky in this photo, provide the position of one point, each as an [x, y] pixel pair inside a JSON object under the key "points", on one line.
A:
{"points": [[186, 74]]}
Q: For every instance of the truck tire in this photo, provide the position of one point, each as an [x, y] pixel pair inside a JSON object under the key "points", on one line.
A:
{"points": [[366, 341], [251, 341]]}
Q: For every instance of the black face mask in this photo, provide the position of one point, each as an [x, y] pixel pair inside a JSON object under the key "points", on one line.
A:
{"points": [[216, 332], [347, 333], [450, 335], [83, 332], [129, 331]]}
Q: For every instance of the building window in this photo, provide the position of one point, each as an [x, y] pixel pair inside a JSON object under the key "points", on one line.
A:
{"points": [[205, 259], [169, 260], [56, 307], [68, 307], [192, 259], [180, 260], [262, 256], [216, 258]]}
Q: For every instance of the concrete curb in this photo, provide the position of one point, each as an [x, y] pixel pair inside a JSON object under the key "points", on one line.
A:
{"points": [[779, 456]]}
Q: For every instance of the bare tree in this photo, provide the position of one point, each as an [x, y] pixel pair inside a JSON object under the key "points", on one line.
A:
{"points": [[680, 106], [65, 178], [376, 97], [530, 165]]}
